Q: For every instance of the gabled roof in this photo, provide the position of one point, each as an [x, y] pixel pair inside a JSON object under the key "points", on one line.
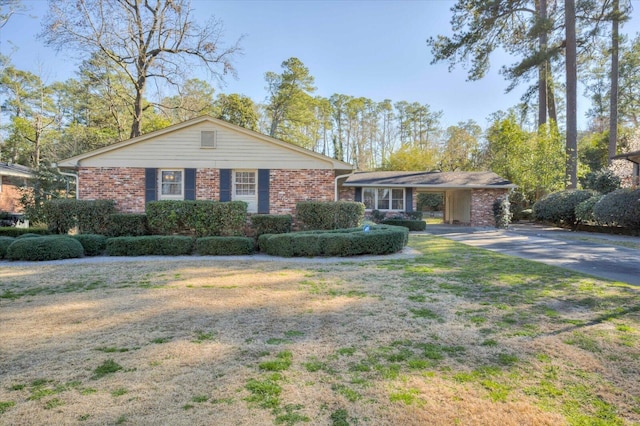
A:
{"points": [[15, 170], [440, 180], [75, 161], [634, 156]]}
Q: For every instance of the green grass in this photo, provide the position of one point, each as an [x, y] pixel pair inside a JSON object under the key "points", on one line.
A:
{"points": [[5, 405], [107, 367], [281, 363]]}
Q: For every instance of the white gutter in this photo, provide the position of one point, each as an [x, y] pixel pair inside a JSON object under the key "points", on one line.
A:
{"points": [[69, 175], [335, 183]]}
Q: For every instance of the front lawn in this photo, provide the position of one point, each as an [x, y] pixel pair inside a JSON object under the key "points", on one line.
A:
{"points": [[455, 336]]}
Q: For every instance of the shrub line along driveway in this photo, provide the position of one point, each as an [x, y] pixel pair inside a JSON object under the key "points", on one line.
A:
{"points": [[601, 255]]}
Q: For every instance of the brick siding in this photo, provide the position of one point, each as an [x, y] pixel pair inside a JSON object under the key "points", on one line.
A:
{"points": [[9, 196], [482, 206], [287, 187], [125, 185]]}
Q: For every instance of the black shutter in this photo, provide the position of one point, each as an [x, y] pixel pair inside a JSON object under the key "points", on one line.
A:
{"points": [[263, 191], [225, 184], [408, 199], [358, 195], [189, 184], [150, 185]]}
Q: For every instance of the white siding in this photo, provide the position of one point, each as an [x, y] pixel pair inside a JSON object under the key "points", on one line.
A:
{"points": [[182, 149]]}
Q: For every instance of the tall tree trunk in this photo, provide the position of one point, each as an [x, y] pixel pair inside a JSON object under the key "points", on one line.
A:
{"points": [[542, 69], [613, 108], [572, 95], [137, 110], [551, 99]]}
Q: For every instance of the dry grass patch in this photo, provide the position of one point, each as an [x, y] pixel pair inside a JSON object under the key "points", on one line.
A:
{"points": [[457, 335]]}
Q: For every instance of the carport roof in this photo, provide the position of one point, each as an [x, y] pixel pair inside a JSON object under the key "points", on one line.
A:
{"points": [[435, 180], [631, 156], [15, 170]]}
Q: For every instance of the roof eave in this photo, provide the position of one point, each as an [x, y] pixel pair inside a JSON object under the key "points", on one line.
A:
{"points": [[434, 186]]}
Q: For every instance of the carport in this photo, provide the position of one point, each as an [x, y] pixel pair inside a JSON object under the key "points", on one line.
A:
{"points": [[468, 196]]}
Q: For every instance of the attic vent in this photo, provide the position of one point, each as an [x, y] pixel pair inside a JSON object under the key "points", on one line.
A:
{"points": [[208, 139]]}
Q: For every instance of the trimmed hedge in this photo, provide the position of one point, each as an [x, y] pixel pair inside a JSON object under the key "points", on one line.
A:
{"points": [[381, 239], [271, 224], [11, 231], [559, 207], [45, 248], [5, 242], [413, 225], [150, 245], [28, 235], [502, 212], [224, 246], [619, 208], [584, 210], [197, 217], [90, 216], [127, 225], [324, 215], [93, 244]]}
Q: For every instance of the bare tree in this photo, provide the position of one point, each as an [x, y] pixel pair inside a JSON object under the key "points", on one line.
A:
{"points": [[147, 39]]}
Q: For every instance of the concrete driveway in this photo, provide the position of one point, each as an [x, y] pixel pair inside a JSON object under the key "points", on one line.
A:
{"points": [[606, 256]]}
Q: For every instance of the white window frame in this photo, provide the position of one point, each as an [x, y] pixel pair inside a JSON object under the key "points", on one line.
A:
{"points": [[162, 196], [251, 199], [376, 198]]}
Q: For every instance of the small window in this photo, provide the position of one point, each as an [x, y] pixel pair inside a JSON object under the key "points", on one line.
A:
{"points": [[383, 198], [245, 183], [208, 139], [171, 185]]}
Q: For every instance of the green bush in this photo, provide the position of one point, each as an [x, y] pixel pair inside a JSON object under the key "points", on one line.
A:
{"points": [[28, 235], [94, 215], [603, 181], [584, 210], [45, 248], [224, 246], [90, 216], [148, 245], [93, 244], [430, 201], [60, 215], [413, 225], [5, 242], [11, 231], [502, 212], [127, 225], [201, 218], [271, 224], [619, 208], [324, 215], [417, 215], [383, 239], [559, 207]]}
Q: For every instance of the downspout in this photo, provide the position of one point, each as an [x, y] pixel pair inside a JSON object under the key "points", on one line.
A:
{"points": [[69, 175], [335, 183]]}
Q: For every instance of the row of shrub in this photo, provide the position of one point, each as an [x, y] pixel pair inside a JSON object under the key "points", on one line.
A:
{"points": [[377, 239], [52, 247], [618, 208]]}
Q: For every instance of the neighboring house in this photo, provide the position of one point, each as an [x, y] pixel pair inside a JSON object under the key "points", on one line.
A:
{"points": [[206, 159], [12, 177], [468, 196], [629, 177]]}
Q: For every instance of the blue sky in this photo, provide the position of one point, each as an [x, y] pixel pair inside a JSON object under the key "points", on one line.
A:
{"points": [[375, 49]]}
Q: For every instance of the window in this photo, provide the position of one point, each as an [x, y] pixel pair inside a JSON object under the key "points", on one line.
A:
{"points": [[171, 185], [245, 183], [383, 198]]}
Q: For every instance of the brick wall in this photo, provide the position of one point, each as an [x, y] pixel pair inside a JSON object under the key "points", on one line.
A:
{"points": [[125, 185], [9, 196], [287, 187], [482, 206], [207, 184]]}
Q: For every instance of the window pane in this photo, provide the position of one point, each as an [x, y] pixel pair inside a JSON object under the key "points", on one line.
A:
{"points": [[397, 199], [369, 198], [383, 198], [171, 182], [245, 183]]}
